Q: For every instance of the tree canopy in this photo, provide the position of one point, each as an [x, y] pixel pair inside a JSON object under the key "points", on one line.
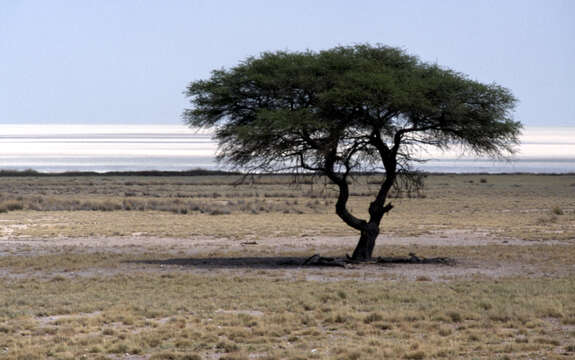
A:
{"points": [[345, 109]]}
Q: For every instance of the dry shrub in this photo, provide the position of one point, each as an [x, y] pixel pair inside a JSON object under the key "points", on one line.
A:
{"points": [[416, 355], [174, 205], [547, 219], [10, 205], [373, 317], [455, 316]]}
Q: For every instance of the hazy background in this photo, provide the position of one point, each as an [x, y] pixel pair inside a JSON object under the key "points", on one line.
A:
{"points": [[127, 62], [76, 147]]}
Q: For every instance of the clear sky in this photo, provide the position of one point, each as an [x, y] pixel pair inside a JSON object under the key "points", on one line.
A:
{"points": [[128, 61]]}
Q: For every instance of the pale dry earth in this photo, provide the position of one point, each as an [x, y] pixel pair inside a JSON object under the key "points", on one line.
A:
{"points": [[282, 257]]}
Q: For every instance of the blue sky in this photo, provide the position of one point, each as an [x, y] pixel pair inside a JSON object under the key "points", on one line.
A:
{"points": [[127, 62]]}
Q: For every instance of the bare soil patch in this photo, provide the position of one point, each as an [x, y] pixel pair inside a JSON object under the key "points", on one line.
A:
{"points": [[283, 257], [201, 244]]}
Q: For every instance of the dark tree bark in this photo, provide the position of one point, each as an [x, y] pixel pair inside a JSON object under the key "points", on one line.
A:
{"points": [[366, 243], [370, 229]]}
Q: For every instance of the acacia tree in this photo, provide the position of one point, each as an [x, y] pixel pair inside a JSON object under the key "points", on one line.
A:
{"points": [[348, 109]]}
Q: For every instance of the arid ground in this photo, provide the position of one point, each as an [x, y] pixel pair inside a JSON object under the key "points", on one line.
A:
{"points": [[201, 267]]}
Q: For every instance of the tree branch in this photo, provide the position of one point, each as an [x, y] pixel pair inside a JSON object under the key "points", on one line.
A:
{"points": [[341, 182], [377, 208]]}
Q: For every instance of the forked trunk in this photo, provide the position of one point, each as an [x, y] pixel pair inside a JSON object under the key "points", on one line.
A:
{"points": [[364, 249]]}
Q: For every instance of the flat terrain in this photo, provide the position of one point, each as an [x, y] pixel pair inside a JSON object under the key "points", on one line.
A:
{"points": [[201, 267]]}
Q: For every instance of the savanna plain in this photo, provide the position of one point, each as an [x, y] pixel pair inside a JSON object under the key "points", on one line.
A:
{"points": [[205, 267]]}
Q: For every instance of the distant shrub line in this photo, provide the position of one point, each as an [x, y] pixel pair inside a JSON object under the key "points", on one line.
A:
{"points": [[177, 206], [207, 172], [193, 172]]}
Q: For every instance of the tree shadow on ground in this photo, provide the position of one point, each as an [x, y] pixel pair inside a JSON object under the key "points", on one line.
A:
{"points": [[255, 262], [284, 262]]}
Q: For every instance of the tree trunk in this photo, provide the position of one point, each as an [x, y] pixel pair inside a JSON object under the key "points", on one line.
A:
{"points": [[364, 248]]}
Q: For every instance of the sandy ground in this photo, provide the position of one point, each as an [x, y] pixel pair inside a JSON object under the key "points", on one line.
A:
{"points": [[198, 244], [274, 256]]}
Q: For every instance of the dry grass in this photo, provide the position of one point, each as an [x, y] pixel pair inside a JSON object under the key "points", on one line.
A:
{"points": [[185, 314], [141, 302], [533, 207]]}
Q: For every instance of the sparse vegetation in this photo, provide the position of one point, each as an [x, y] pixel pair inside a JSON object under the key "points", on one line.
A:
{"points": [[556, 210], [169, 299], [508, 205], [210, 315], [10, 205]]}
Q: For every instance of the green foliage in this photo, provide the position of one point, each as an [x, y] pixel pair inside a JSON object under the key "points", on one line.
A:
{"points": [[297, 109]]}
